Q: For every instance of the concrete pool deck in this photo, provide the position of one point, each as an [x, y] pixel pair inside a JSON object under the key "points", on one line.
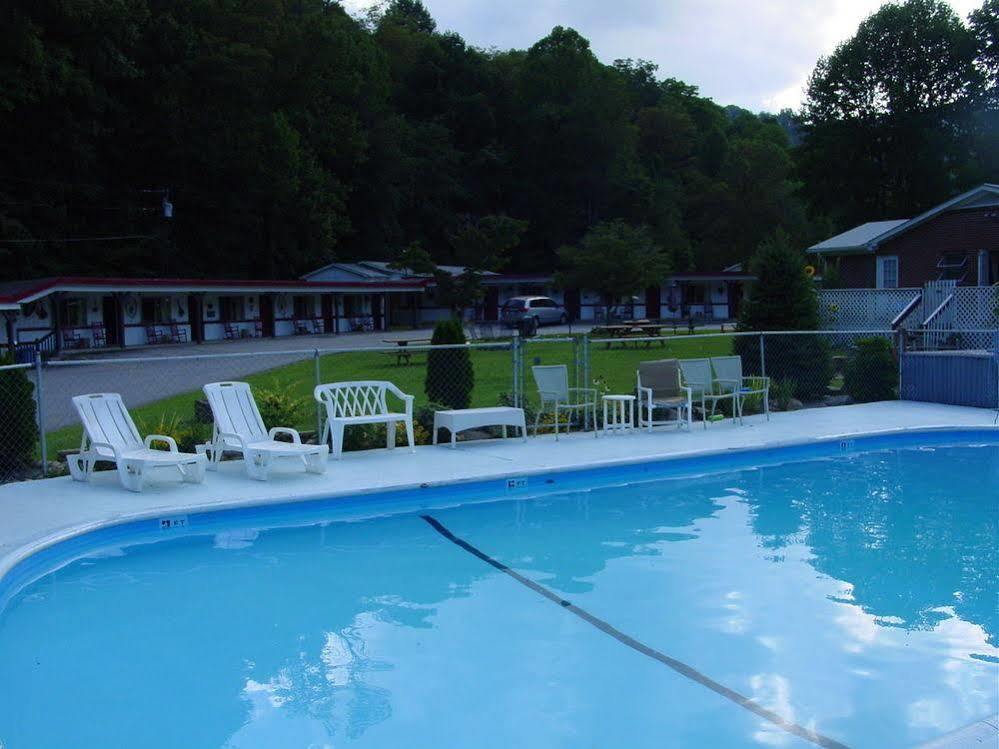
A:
{"points": [[37, 514]]}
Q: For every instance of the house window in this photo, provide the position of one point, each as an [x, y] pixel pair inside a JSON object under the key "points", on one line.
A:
{"points": [[887, 271], [231, 308], [156, 309], [72, 313], [305, 308]]}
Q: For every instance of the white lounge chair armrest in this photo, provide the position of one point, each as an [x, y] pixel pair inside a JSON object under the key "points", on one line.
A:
{"points": [[295, 436], [107, 446], [170, 441], [227, 436]]}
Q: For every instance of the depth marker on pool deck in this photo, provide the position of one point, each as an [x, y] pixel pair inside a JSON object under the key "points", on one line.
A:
{"points": [[679, 666]]}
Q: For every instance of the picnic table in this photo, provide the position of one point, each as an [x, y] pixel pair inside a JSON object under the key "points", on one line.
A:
{"points": [[403, 355], [635, 329]]}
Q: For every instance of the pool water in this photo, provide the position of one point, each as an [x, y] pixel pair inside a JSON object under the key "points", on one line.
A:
{"points": [[852, 598]]}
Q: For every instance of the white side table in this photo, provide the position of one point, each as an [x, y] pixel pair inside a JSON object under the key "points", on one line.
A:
{"points": [[622, 413]]}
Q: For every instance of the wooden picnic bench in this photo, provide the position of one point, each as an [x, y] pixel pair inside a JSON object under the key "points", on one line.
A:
{"points": [[404, 355], [637, 329]]}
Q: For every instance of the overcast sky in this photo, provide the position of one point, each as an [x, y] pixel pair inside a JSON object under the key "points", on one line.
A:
{"points": [[754, 53]]}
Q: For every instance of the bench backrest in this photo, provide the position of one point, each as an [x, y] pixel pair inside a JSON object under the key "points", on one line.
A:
{"points": [[360, 398], [234, 410], [105, 419]]}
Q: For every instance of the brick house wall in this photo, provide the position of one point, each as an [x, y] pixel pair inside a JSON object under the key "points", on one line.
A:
{"points": [[963, 232]]}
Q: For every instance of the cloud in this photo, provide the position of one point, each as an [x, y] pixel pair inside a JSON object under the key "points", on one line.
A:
{"points": [[757, 55]]}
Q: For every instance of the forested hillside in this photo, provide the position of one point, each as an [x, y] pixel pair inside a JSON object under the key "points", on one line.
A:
{"points": [[285, 134]]}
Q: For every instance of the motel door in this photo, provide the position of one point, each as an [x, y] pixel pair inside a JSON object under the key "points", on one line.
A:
{"points": [[195, 319], [112, 320], [653, 303], [267, 315]]}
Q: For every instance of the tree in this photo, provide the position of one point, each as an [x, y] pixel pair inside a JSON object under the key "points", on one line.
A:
{"points": [[477, 246], [615, 259], [783, 298], [889, 116], [450, 376]]}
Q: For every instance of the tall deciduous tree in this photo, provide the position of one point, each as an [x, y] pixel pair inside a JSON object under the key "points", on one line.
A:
{"points": [[889, 115]]}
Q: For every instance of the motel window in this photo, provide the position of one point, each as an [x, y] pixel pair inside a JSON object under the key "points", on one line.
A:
{"points": [[156, 309], [305, 308], [72, 313], [887, 272], [231, 308]]}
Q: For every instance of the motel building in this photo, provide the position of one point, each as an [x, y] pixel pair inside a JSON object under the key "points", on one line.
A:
{"points": [[52, 315], [709, 297]]}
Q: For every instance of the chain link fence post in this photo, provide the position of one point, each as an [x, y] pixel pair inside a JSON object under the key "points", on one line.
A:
{"points": [[515, 371], [319, 406], [586, 372], [763, 358], [40, 401]]}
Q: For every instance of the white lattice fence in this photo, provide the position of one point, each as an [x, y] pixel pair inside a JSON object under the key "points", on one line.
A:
{"points": [[976, 307], [862, 309]]}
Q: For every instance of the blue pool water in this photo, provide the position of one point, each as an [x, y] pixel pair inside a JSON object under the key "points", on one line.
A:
{"points": [[853, 597]]}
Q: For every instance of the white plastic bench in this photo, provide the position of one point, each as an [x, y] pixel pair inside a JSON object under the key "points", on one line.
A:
{"points": [[362, 402], [459, 419]]}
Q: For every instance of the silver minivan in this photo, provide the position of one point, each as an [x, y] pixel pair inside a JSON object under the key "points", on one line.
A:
{"points": [[539, 310]]}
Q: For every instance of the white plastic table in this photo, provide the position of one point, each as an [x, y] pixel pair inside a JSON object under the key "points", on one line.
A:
{"points": [[460, 419], [622, 413]]}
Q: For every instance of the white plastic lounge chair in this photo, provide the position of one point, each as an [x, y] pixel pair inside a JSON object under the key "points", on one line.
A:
{"points": [[239, 428], [555, 393], [659, 388], [729, 377], [109, 434], [698, 377], [362, 402]]}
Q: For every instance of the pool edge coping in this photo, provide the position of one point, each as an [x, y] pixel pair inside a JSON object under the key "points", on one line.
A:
{"points": [[18, 554]]}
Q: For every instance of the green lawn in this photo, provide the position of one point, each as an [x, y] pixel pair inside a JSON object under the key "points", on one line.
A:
{"points": [[493, 376]]}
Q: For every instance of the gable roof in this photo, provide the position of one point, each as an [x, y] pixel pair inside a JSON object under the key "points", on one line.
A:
{"points": [[867, 237]]}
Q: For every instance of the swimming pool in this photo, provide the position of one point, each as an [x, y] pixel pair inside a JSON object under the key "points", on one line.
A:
{"points": [[846, 597]]}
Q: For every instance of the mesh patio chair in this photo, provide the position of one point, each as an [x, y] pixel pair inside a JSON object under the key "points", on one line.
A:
{"points": [[659, 389], [698, 377], [729, 377], [555, 394]]}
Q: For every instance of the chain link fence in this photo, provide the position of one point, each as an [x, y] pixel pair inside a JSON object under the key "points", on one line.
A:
{"points": [[39, 426]]}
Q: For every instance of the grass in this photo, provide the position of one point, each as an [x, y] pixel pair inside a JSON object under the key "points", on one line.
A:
{"points": [[493, 376]]}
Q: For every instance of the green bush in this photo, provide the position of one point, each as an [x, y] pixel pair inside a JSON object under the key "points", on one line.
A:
{"points": [[186, 433], [450, 377], [277, 407], [872, 372], [804, 360], [18, 428], [783, 297]]}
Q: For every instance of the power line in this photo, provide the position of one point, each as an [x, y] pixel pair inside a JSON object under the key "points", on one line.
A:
{"points": [[78, 239]]}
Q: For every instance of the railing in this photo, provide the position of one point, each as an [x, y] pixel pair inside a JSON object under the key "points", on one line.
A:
{"points": [[911, 307], [26, 352], [939, 323]]}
